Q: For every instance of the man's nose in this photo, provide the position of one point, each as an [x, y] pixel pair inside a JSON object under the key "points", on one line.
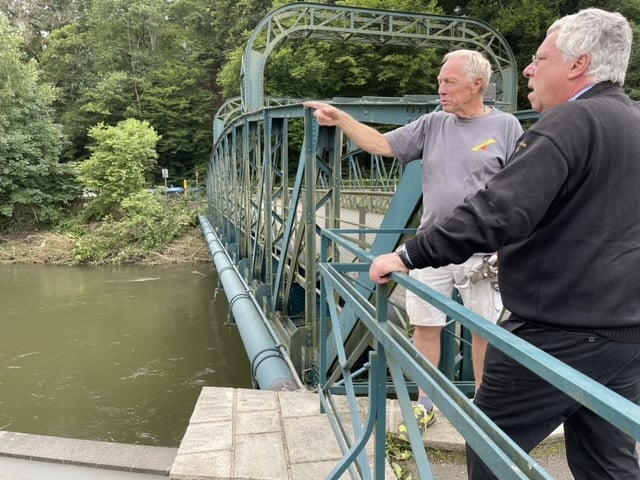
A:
{"points": [[528, 70]]}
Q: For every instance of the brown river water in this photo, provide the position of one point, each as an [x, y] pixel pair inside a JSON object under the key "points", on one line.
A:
{"points": [[115, 354]]}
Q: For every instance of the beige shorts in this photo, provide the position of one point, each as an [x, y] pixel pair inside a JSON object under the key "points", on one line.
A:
{"points": [[482, 297]]}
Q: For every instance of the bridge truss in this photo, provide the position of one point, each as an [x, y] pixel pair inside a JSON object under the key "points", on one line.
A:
{"points": [[270, 196], [289, 212]]}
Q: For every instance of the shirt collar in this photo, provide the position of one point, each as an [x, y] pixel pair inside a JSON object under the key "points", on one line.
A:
{"points": [[580, 93]]}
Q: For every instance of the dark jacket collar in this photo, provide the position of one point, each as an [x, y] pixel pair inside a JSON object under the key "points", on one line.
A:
{"points": [[599, 87]]}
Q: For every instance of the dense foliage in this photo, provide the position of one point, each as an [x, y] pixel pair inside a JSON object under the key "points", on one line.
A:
{"points": [[30, 141], [148, 222]]}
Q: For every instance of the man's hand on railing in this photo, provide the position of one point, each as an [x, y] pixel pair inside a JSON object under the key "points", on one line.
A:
{"points": [[382, 266]]}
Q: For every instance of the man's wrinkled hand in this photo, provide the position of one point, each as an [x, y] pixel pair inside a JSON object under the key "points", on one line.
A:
{"points": [[382, 267]]}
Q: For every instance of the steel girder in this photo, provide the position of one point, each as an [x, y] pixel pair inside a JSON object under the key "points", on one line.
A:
{"points": [[380, 27]]}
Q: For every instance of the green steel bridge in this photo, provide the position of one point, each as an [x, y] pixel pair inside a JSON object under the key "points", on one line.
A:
{"points": [[293, 228]]}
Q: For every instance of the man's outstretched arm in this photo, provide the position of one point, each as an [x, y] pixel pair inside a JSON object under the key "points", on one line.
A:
{"points": [[367, 138]]}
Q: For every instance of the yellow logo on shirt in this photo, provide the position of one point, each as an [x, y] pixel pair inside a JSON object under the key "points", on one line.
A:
{"points": [[483, 145]]}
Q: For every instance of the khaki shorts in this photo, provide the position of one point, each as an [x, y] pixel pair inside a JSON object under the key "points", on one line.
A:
{"points": [[482, 297]]}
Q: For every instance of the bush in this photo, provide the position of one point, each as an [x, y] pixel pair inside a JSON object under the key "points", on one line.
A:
{"points": [[147, 223], [120, 160]]}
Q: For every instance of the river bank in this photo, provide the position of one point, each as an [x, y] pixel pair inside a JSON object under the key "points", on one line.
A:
{"points": [[45, 247]]}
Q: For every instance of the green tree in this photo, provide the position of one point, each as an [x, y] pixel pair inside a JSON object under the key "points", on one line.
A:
{"points": [[176, 102], [524, 23], [323, 69], [36, 19], [418, 6], [67, 63], [121, 159], [33, 184], [139, 59]]}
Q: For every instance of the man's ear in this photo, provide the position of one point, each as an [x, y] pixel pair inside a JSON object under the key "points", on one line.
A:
{"points": [[580, 66], [478, 83]]}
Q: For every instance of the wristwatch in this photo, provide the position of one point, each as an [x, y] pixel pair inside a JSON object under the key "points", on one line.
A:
{"points": [[401, 251]]}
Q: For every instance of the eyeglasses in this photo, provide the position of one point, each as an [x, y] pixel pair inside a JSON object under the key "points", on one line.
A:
{"points": [[535, 59]]}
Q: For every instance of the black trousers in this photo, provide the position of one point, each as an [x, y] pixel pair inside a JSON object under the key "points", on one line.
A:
{"points": [[528, 408]]}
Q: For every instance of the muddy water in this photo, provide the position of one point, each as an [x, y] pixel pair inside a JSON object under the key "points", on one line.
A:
{"points": [[112, 353]]}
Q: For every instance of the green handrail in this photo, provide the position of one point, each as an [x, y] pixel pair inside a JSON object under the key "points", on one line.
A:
{"points": [[394, 351]]}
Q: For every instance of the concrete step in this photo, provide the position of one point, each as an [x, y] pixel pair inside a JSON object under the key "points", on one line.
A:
{"points": [[42, 457], [23, 469]]}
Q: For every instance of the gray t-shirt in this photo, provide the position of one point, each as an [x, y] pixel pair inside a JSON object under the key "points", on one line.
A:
{"points": [[458, 155]]}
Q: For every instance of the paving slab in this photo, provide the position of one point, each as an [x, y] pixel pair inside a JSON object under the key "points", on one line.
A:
{"points": [[275, 436]]}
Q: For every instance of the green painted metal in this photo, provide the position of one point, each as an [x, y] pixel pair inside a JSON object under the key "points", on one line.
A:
{"points": [[379, 27], [341, 285], [252, 195], [249, 190], [281, 210], [251, 206]]}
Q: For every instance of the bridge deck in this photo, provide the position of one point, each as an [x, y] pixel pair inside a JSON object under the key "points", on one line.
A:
{"points": [[267, 435], [232, 433], [258, 434]]}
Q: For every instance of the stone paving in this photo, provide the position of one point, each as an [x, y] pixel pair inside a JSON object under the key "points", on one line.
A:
{"points": [[265, 435], [259, 435]]}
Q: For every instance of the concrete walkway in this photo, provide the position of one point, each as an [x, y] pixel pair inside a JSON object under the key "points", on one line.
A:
{"points": [[266, 435], [259, 435], [21, 469]]}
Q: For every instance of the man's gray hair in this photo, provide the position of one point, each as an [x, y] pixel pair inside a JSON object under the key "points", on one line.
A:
{"points": [[477, 66], [605, 36]]}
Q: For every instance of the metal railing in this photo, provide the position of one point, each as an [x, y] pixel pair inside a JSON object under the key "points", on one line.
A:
{"points": [[394, 364], [347, 341], [340, 329]]}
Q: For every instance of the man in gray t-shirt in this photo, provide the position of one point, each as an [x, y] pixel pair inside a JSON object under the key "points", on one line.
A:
{"points": [[460, 148]]}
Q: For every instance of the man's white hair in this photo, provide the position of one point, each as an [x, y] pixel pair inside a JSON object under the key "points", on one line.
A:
{"points": [[605, 36], [477, 65]]}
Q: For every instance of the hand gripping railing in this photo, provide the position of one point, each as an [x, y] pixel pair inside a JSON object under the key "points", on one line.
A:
{"points": [[393, 355]]}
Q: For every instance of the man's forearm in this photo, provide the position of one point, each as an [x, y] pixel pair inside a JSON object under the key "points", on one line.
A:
{"points": [[366, 137]]}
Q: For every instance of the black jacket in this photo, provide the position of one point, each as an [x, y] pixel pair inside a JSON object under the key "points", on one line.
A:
{"points": [[564, 216]]}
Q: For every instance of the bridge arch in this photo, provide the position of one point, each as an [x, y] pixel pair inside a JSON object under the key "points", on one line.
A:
{"points": [[381, 27]]}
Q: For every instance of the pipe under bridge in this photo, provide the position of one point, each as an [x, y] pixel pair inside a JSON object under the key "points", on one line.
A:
{"points": [[293, 223]]}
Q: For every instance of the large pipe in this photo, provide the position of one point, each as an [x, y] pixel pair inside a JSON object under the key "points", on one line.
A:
{"points": [[268, 365]]}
